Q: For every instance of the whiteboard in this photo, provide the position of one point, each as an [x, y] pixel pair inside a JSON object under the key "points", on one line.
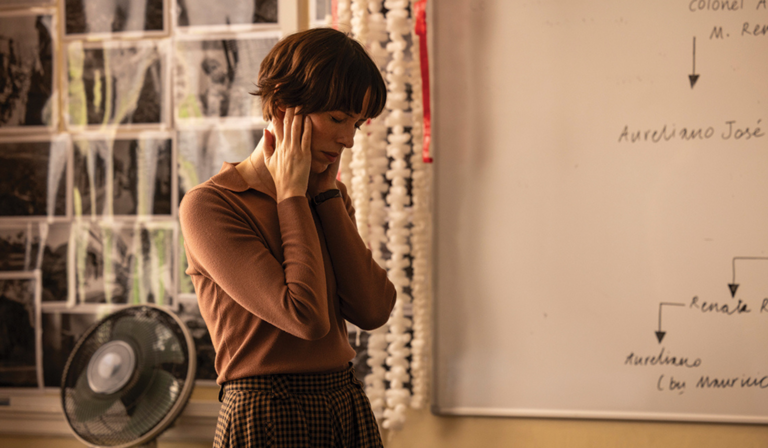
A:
{"points": [[593, 205]]}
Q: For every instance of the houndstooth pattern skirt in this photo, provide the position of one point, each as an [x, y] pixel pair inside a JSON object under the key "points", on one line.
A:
{"points": [[296, 410]]}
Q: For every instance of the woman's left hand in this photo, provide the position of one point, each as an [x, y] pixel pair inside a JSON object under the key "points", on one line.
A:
{"points": [[326, 180]]}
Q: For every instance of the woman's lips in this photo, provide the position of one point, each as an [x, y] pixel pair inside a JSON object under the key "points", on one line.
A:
{"points": [[331, 156]]}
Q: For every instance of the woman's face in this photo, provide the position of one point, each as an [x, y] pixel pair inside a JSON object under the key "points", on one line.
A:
{"points": [[332, 131]]}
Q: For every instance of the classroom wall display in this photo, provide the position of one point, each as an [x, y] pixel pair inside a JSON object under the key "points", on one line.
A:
{"points": [[193, 14], [114, 16], [601, 244], [27, 89], [214, 76], [89, 191]]}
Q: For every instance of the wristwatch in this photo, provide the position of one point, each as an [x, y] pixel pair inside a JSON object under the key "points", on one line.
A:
{"points": [[324, 196]]}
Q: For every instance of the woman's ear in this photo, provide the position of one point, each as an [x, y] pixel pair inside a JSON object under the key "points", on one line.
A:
{"points": [[278, 110]]}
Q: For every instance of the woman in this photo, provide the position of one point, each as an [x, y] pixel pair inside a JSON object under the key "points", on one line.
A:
{"points": [[276, 260]]}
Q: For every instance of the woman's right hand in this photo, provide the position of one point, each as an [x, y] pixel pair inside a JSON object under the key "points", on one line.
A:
{"points": [[287, 153]]}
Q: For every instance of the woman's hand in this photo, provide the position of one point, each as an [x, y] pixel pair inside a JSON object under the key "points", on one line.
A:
{"points": [[326, 180], [287, 153]]}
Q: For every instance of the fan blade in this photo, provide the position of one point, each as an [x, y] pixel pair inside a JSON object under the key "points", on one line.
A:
{"points": [[153, 338], [87, 404], [160, 395]]}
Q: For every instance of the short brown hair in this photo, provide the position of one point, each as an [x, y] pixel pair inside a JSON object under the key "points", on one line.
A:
{"points": [[320, 69]]}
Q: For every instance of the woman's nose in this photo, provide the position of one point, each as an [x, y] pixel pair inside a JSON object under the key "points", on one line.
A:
{"points": [[347, 136]]}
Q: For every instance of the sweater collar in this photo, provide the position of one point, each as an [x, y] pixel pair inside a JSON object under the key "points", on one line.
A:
{"points": [[230, 179]]}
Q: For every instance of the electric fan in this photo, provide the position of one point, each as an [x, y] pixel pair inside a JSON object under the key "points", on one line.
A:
{"points": [[128, 377]]}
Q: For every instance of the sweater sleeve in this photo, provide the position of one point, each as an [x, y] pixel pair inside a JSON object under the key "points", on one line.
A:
{"points": [[367, 296], [222, 246]]}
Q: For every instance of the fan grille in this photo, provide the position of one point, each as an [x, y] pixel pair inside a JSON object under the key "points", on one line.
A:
{"points": [[162, 369]]}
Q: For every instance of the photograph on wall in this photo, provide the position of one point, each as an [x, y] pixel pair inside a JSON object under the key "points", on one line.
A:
{"points": [[113, 16], [142, 176], [155, 267], [104, 257], [38, 245], [358, 339], [189, 313], [18, 346], [61, 331], [4, 3], [321, 10], [203, 151], [90, 165], [214, 77], [33, 178], [124, 263], [55, 262], [27, 93], [123, 176], [116, 83], [185, 285], [198, 13], [20, 247]]}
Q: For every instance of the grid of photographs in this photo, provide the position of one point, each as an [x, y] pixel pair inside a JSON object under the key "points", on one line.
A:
{"points": [[110, 111]]}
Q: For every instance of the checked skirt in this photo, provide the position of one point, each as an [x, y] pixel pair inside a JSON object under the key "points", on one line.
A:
{"points": [[296, 410]]}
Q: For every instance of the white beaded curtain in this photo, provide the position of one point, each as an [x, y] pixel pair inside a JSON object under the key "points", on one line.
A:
{"points": [[390, 185]]}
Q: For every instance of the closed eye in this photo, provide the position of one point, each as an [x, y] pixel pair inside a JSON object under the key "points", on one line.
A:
{"points": [[343, 119]]}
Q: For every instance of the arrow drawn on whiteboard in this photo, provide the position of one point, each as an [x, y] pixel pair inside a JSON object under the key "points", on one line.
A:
{"points": [[693, 77], [734, 286], [660, 334]]}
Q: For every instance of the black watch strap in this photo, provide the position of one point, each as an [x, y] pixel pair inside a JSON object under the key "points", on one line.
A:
{"points": [[324, 196]]}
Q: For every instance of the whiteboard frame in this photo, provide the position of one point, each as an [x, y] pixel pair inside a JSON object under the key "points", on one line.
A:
{"points": [[439, 409]]}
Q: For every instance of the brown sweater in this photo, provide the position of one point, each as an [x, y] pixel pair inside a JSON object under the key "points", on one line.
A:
{"points": [[275, 282]]}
